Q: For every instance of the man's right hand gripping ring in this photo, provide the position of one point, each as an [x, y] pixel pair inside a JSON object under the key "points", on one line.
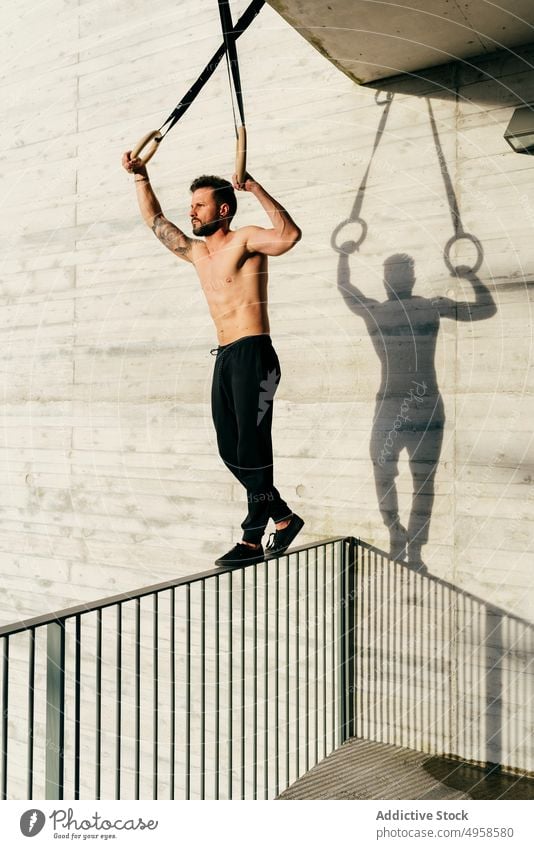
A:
{"points": [[155, 135], [350, 246]]}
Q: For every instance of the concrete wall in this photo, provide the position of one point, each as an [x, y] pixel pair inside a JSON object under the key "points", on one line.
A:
{"points": [[111, 478], [374, 41]]}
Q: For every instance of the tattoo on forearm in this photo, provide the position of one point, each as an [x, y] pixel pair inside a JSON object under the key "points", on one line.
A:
{"points": [[170, 236]]}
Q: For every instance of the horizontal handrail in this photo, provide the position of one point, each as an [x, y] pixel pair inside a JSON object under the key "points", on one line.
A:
{"points": [[101, 604]]}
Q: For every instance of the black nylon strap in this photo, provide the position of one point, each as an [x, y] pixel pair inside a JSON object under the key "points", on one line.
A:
{"points": [[242, 24], [231, 54]]}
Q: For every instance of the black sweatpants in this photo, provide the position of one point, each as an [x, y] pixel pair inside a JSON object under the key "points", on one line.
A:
{"points": [[245, 379]]}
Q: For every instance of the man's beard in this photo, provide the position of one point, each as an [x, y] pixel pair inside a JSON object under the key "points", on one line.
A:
{"points": [[207, 229]]}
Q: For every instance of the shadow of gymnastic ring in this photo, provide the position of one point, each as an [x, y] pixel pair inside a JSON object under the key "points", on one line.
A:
{"points": [[450, 244], [351, 245]]}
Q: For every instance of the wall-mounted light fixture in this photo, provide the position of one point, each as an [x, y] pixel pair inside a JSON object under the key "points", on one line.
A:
{"points": [[520, 131]]}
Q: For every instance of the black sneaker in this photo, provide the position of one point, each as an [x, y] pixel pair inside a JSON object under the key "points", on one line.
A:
{"points": [[241, 555], [281, 540]]}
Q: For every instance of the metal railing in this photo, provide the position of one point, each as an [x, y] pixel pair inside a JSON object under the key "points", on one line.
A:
{"points": [[226, 684], [230, 684]]}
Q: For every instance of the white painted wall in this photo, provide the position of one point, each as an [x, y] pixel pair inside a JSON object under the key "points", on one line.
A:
{"points": [[111, 478]]}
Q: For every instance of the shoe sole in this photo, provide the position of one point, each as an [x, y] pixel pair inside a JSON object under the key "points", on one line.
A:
{"points": [[249, 562], [282, 551]]}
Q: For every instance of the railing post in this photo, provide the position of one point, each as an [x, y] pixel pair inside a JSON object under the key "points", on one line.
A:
{"points": [[5, 716], [55, 709], [351, 637], [347, 647]]}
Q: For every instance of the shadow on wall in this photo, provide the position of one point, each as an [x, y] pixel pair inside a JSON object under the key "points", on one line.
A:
{"points": [[409, 413], [439, 670]]}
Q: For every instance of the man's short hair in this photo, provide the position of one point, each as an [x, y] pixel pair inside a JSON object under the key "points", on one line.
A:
{"points": [[222, 190]]}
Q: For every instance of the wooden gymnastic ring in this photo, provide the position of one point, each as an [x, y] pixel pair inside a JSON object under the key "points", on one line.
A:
{"points": [[241, 154], [154, 134]]}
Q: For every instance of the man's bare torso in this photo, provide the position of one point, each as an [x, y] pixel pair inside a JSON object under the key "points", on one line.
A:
{"points": [[234, 282]]}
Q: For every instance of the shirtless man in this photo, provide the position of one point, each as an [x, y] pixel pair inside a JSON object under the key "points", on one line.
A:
{"points": [[232, 269]]}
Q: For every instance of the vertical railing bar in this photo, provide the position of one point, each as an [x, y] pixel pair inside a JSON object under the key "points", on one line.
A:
{"points": [[203, 689], [255, 685], [348, 566], [31, 711], [307, 690], [137, 673], [390, 649], [98, 707], [377, 605], [333, 643], [5, 715], [369, 696], [276, 679], [188, 693], [342, 629], [413, 668], [351, 551], [118, 701], [363, 601], [297, 666], [374, 677], [266, 687], [420, 622], [358, 642], [55, 710], [405, 643], [366, 697], [155, 690], [77, 705], [217, 687], [173, 693], [325, 700], [242, 695], [287, 673], [353, 590], [316, 652], [362, 637], [230, 685]]}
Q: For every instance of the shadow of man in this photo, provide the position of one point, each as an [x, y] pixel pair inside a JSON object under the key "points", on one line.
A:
{"points": [[409, 412]]}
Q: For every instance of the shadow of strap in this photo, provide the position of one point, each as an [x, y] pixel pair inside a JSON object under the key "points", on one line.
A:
{"points": [[351, 245]]}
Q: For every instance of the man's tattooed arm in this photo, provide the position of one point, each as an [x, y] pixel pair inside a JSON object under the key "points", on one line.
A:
{"points": [[173, 238], [149, 206]]}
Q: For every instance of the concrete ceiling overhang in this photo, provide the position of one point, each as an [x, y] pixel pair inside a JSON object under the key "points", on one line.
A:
{"points": [[375, 39]]}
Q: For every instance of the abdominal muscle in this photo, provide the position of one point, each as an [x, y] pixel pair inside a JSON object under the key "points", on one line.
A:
{"points": [[237, 297]]}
